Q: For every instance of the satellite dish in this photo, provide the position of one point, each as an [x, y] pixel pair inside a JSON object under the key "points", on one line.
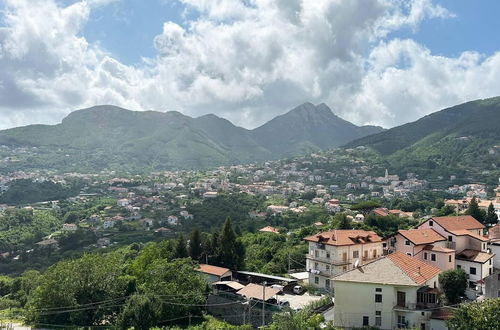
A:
{"points": [[356, 263]]}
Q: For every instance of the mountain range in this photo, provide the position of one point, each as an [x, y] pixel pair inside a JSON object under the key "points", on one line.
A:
{"points": [[109, 137], [465, 136]]}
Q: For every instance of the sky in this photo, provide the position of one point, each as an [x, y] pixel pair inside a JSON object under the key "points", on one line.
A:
{"points": [[379, 62]]}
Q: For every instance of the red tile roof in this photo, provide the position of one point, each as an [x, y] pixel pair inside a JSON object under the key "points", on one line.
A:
{"points": [[421, 236], [458, 222], [438, 249], [345, 237], [474, 256], [212, 270], [465, 232], [417, 270]]}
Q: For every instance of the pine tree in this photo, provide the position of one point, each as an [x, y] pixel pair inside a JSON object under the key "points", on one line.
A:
{"points": [[231, 252], [343, 221], [491, 216], [195, 248], [181, 247], [474, 210]]}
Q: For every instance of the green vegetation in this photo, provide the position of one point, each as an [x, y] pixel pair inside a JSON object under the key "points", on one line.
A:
{"points": [[476, 315], [25, 191], [454, 283], [451, 141], [23, 227], [474, 211]]}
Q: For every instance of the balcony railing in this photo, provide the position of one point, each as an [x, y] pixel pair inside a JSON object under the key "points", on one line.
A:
{"points": [[451, 245], [329, 261]]}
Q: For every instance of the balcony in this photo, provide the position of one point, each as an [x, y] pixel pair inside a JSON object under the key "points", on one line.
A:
{"points": [[451, 245], [329, 261]]}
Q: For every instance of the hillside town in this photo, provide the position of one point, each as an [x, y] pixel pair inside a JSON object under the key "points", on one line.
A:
{"points": [[344, 264]]}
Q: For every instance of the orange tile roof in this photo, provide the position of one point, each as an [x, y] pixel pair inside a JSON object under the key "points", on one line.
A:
{"points": [[438, 249], [345, 237], [417, 270], [269, 229], [421, 236], [464, 232], [212, 270], [475, 256], [381, 212], [458, 222]]}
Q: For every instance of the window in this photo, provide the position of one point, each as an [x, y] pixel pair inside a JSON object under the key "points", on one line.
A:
{"points": [[328, 255], [498, 294], [327, 283], [407, 242], [401, 321], [489, 271], [375, 254], [425, 255], [433, 257], [316, 266], [449, 258], [490, 261], [378, 289], [431, 223], [344, 268], [366, 321], [472, 271], [408, 254], [316, 280], [459, 267], [316, 253], [484, 246], [450, 238], [378, 318], [327, 268], [355, 254], [378, 298]]}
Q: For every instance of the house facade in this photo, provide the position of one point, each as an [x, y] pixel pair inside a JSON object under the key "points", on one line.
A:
{"points": [[395, 291], [337, 251]]}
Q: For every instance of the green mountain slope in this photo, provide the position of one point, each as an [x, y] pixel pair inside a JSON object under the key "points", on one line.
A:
{"points": [[306, 128], [463, 136], [109, 137]]}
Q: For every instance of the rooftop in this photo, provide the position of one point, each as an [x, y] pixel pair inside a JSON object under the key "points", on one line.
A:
{"points": [[458, 222], [394, 269], [421, 236], [257, 291], [465, 232], [345, 237], [212, 270], [474, 256]]}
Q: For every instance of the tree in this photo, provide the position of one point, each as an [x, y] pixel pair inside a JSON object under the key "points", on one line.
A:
{"points": [[476, 315], [89, 279], [475, 211], [454, 283], [343, 221], [491, 216], [231, 251], [195, 248], [365, 207], [141, 312], [181, 247]]}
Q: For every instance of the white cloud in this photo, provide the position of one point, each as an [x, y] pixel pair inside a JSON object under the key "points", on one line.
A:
{"points": [[244, 60]]}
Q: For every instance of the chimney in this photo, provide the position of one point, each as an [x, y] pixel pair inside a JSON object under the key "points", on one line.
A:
{"points": [[418, 269]]}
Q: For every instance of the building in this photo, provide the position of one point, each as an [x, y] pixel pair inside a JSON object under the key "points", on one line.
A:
{"points": [[269, 229], [337, 251], [215, 274], [396, 291], [426, 245]]}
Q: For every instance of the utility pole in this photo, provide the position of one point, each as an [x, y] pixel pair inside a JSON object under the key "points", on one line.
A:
{"points": [[263, 303]]}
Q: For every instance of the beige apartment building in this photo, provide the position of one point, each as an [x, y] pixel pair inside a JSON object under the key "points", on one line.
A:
{"points": [[337, 251]]}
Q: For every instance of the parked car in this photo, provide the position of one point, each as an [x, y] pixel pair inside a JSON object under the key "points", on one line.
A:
{"points": [[298, 289]]}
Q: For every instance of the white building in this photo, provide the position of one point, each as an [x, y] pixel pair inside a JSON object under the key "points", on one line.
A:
{"points": [[396, 291], [337, 251]]}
